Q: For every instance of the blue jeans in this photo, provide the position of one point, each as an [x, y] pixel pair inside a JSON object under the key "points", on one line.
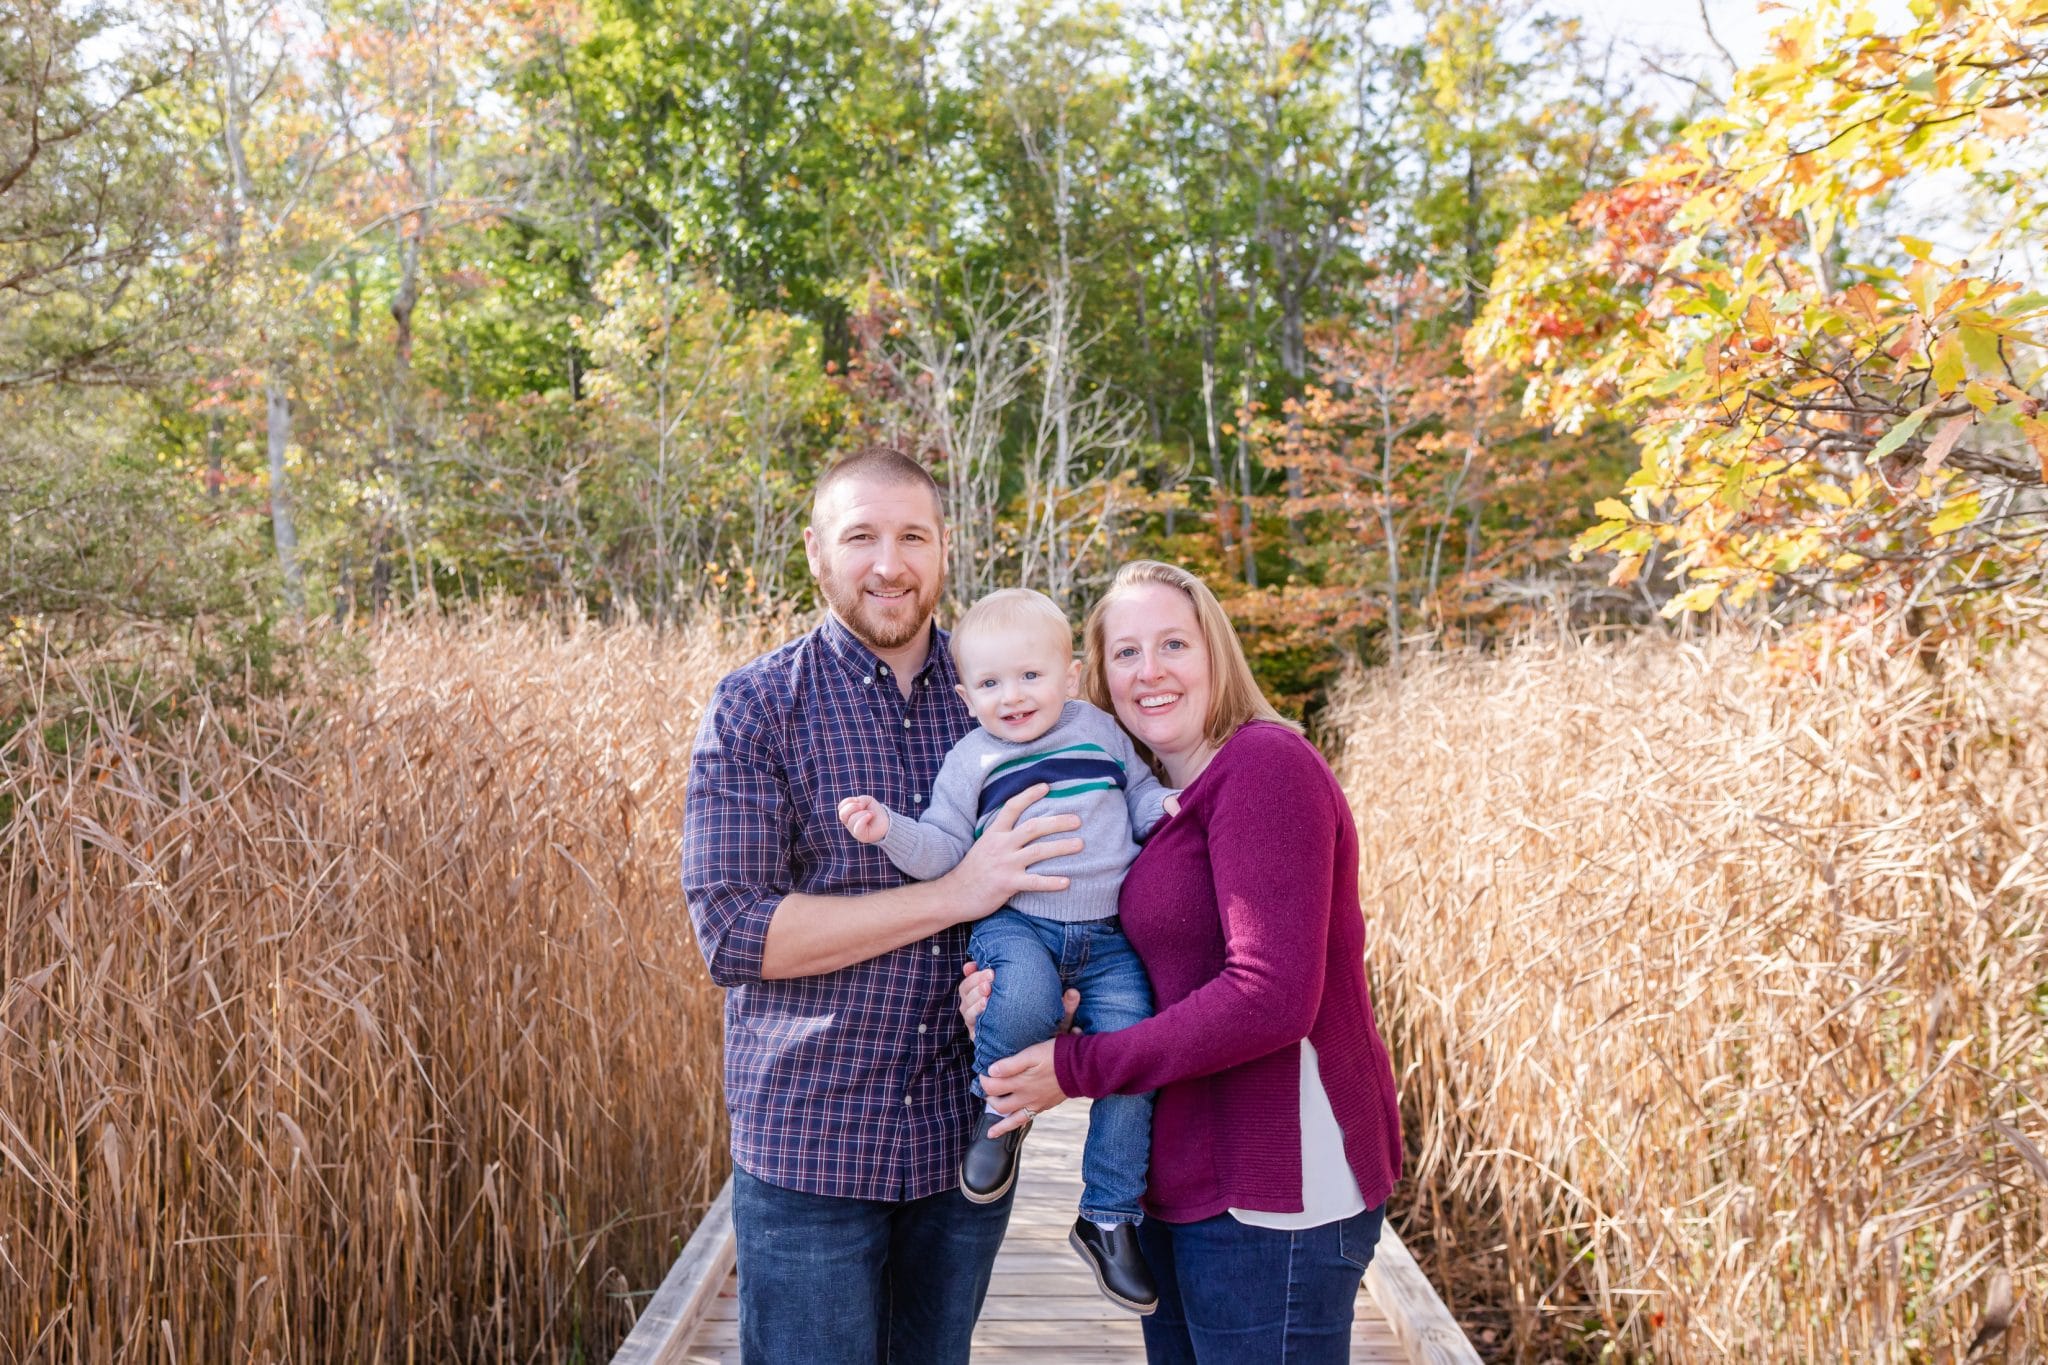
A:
{"points": [[1034, 961], [1233, 1294], [828, 1281]]}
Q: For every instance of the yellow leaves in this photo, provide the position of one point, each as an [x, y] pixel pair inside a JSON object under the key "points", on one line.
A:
{"points": [[1920, 285], [1694, 599], [1756, 319], [1745, 377], [1960, 512], [1949, 370], [2004, 123], [1981, 345]]}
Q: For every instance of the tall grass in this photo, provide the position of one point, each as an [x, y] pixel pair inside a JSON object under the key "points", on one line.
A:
{"points": [[1719, 999], [373, 1031]]}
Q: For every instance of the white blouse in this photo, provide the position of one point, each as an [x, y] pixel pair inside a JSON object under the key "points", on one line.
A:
{"points": [[1329, 1191]]}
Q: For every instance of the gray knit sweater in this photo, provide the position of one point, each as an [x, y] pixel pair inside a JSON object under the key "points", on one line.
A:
{"points": [[1094, 773]]}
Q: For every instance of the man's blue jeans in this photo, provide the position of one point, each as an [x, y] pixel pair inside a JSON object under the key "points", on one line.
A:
{"points": [[1034, 961], [1233, 1294], [828, 1281]]}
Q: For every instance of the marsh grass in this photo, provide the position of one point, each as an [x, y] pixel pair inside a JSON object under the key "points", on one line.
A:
{"points": [[369, 1027], [361, 1031], [1718, 997]]}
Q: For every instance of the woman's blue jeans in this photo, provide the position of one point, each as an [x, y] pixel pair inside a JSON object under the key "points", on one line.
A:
{"points": [[1234, 1294], [1035, 960]]}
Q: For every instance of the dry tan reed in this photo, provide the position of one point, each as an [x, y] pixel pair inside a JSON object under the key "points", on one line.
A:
{"points": [[1718, 998], [367, 1033]]}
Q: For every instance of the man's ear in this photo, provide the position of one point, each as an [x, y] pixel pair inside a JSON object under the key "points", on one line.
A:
{"points": [[811, 549], [1073, 677]]}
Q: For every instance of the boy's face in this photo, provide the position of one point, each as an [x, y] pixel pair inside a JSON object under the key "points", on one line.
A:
{"points": [[1016, 681]]}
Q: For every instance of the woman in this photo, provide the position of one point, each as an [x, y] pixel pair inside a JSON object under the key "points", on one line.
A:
{"points": [[1275, 1138]]}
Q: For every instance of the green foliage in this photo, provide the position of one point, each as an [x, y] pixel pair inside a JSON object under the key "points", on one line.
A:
{"points": [[570, 299]]}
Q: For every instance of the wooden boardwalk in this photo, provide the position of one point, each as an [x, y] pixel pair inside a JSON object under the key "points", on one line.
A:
{"points": [[1042, 1303]]}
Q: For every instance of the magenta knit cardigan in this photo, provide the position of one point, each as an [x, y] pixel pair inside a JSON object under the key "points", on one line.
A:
{"points": [[1244, 909]]}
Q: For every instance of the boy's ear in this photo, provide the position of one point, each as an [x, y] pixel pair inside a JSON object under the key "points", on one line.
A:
{"points": [[1073, 677], [962, 693]]}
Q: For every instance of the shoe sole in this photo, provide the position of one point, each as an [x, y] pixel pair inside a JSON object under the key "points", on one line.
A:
{"points": [[1143, 1310], [975, 1197]]}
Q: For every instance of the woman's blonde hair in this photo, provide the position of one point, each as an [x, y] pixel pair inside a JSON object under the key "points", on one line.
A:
{"points": [[1234, 695]]}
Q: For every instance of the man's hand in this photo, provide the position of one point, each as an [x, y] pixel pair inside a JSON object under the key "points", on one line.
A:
{"points": [[999, 865], [976, 982], [865, 818]]}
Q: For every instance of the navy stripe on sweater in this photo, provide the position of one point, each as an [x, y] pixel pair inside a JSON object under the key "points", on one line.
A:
{"points": [[1053, 770]]}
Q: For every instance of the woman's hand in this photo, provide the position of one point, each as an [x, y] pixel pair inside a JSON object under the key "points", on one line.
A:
{"points": [[1023, 1087], [975, 984]]}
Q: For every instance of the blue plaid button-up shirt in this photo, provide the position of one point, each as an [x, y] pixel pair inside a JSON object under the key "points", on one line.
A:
{"points": [[854, 1083]]}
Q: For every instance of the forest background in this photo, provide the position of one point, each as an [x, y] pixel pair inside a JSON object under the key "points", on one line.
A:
{"points": [[312, 310], [346, 1009]]}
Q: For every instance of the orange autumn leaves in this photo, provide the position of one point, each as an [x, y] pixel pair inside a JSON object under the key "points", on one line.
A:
{"points": [[1828, 413]]}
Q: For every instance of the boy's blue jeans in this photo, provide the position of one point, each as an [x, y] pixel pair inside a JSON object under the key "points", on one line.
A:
{"points": [[1035, 960]]}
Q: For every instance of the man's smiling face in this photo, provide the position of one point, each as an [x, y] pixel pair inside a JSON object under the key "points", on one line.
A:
{"points": [[878, 550]]}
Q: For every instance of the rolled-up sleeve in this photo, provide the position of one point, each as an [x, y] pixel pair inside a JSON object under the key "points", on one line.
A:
{"points": [[736, 835]]}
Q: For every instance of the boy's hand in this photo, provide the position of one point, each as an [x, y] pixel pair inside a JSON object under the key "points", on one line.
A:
{"points": [[1172, 804], [865, 818]]}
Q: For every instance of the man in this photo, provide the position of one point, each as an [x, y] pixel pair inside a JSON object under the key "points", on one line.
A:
{"points": [[846, 1067]]}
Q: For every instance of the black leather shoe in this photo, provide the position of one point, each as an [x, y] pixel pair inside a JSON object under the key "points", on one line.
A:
{"points": [[1120, 1270], [990, 1166]]}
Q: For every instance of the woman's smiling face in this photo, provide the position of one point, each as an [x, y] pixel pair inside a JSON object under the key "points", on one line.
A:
{"points": [[1157, 667]]}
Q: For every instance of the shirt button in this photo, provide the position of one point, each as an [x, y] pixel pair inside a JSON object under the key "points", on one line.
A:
{"points": [[906, 722], [906, 1099], [868, 681], [885, 669], [935, 950], [921, 1028], [918, 799]]}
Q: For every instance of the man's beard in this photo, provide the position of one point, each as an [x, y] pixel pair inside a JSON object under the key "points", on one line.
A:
{"points": [[850, 603]]}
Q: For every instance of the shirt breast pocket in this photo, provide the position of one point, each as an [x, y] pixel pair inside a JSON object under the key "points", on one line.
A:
{"points": [[819, 784]]}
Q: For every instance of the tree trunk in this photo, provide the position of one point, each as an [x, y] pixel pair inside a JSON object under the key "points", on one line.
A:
{"points": [[1244, 474], [277, 393], [1294, 360], [1217, 474]]}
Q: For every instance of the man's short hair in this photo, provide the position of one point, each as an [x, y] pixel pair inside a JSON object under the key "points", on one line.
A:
{"points": [[883, 463], [1011, 609]]}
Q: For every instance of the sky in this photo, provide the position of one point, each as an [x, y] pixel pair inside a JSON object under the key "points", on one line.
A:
{"points": [[1674, 25]]}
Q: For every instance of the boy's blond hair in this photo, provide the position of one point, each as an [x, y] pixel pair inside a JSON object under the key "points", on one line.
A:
{"points": [[1011, 609]]}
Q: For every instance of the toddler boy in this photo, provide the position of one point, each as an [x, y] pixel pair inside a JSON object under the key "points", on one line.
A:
{"points": [[1014, 650]]}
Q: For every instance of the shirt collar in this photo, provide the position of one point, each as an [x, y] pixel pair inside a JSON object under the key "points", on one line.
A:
{"points": [[860, 662]]}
